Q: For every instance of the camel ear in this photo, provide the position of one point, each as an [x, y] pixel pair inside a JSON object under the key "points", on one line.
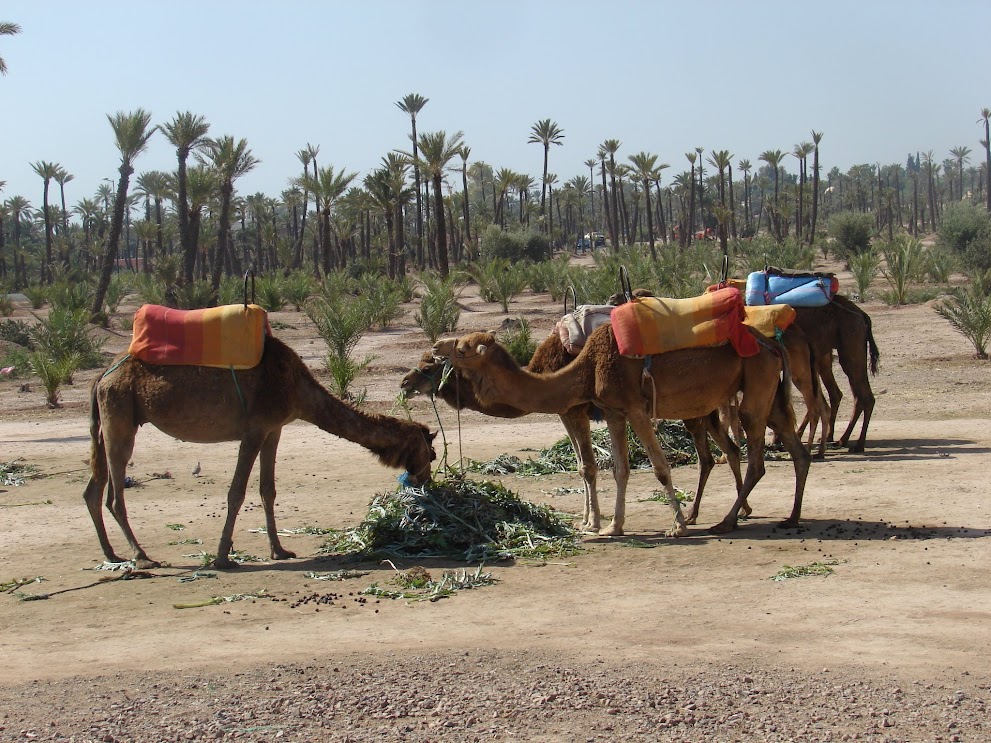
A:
{"points": [[480, 349]]}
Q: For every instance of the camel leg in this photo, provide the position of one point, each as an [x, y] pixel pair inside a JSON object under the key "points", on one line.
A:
{"points": [[266, 469], [782, 420], [119, 446], [863, 396], [92, 496], [580, 432], [697, 428], [824, 366], [725, 442], [620, 470], [643, 427], [246, 455]]}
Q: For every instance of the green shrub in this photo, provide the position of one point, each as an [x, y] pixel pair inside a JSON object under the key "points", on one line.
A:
{"points": [[383, 299], [269, 293], [789, 253], [36, 295], [939, 264], [70, 295], [232, 290], [54, 373], [18, 357], [965, 231], [852, 232], [120, 287], [903, 264], [64, 334], [864, 268], [518, 340], [16, 331], [195, 296], [297, 287], [341, 322], [969, 312], [514, 245], [550, 276], [150, 290], [439, 309], [500, 281], [6, 303]]}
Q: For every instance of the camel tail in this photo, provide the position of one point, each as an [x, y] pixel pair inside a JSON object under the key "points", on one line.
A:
{"points": [[97, 448], [873, 350]]}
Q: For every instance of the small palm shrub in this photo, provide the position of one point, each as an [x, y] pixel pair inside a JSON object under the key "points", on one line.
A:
{"points": [[232, 290], [499, 281], [194, 296], [150, 290], [341, 322], [54, 373], [965, 230], [70, 295], [940, 263], [17, 332], [18, 357], [36, 294], [383, 299], [903, 263], [864, 267], [297, 287], [439, 310], [593, 286], [119, 287], [406, 287], [6, 303], [550, 276], [969, 312], [852, 232], [66, 333], [789, 253], [269, 293], [513, 245], [518, 340]]}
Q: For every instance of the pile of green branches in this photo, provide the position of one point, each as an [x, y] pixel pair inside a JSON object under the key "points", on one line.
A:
{"points": [[456, 517], [560, 457]]}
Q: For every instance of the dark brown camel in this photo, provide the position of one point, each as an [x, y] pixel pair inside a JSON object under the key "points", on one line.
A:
{"points": [[681, 384], [843, 326], [207, 405], [550, 355]]}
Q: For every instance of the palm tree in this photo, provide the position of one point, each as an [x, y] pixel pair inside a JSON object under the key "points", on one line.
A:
{"points": [[504, 178], [986, 143], [47, 171], [721, 160], [690, 232], [436, 150], [646, 169], [19, 208], [801, 151], [187, 133], [7, 29], [412, 104], [745, 166], [773, 158], [154, 185], [465, 151], [131, 135], [816, 139], [231, 160], [202, 184], [962, 155], [590, 164], [305, 156], [328, 186], [611, 147], [546, 133]]}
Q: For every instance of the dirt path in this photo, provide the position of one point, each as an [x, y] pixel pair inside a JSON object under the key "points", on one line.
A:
{"points": [[640, 638]]}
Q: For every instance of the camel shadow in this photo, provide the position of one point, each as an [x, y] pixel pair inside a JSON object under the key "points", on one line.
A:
{"points": [[325, 564], [902, 450], [853, 530]]}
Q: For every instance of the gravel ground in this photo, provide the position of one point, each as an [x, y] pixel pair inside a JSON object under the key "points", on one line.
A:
{"points": [[496, 696]]}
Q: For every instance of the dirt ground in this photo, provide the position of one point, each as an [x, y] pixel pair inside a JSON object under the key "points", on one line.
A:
{"points": [[636, 638]]}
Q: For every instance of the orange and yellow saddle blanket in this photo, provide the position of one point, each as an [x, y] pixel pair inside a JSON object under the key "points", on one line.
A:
{"points": [[770, 320], [229, 336], [652, 325]]}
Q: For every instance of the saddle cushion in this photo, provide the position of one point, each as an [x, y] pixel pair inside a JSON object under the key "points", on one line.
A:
{"points": [[769, 320], [652, 325], [229, 336], [796, 289], [576, 326]]}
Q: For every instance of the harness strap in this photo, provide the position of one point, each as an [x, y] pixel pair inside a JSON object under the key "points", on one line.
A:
{"points": [[116, 366], [237, 387]]}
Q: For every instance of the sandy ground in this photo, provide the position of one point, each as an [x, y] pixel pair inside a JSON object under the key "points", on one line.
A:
{"points": [[636, 638]]}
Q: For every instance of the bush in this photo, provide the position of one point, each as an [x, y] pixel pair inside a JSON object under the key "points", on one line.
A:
{"points": [[54, 373], [514, 246], [36, 295], [341, 322], [64, 334], [150, 290], [940, 264], [17, 332], [439, 310], [969, 312], [119, 288], [965, 231], [195, 296], [864, 268], [70, 295], [383, 298], [518, 340], [789, 253], [297, 288], [18, 357], [852, 232], [903, 265], [499, 281], [269, 293]]}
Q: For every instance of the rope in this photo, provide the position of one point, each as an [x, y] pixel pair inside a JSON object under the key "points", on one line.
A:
{"points": [[116, 366], [647, 364], [237, 387]]}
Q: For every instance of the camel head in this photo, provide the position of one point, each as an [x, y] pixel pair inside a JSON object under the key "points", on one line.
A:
{"points": [[415, 457], [425, 378], [468, 351]]}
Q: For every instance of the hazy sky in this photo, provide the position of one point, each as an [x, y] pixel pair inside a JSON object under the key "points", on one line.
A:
{"points": [[880, 79]]}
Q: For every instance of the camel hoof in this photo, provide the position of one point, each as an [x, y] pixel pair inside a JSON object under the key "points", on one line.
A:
{"points": [[789, 524], [225, 563], [611, 531], [723, 527], [819, 456], [856, 449], [283, 555], [144, 563], [677, 531], [691, 520]]}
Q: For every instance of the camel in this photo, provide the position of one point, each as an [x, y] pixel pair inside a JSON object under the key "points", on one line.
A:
{"points": [[843, 326], [208, 405], [680, 384], [458, 392]]}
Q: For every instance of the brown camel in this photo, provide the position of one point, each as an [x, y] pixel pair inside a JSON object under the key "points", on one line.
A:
{"points": [[681, 384], [207, 405], [843, 326], [457, 391]]}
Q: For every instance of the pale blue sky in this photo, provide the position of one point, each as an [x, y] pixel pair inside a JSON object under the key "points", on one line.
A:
{"points": [[879, 78]]}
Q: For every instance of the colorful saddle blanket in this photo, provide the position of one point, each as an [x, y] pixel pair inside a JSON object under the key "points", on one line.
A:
{"points": [[769, 320], [576, 326], [651, 325], [230, 336], [775, 286]]}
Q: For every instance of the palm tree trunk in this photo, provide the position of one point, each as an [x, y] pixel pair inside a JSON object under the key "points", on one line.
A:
{"points": [[441, 227], [110, 252]]}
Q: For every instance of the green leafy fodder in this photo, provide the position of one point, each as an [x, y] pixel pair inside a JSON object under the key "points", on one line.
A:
{"points": [[803, 571], [459, 518]]}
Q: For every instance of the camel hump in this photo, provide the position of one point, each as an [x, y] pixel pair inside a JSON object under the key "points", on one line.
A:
{"points": [[230, 336]]}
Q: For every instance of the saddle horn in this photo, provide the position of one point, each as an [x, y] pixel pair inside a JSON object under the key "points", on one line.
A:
{"points": [[250, 272]]}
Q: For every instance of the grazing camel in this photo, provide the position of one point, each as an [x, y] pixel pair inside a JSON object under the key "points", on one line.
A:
{"points": [[843, 326], [550, 356], [689, 383], [207, 405]]}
